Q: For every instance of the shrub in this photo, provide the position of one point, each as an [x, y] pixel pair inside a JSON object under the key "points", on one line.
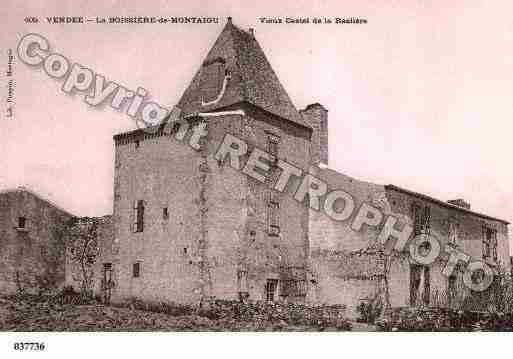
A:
{"points": [[437, 319], [169, 308], [278, 313], [257, 315], [370, 309], [68, 295]]}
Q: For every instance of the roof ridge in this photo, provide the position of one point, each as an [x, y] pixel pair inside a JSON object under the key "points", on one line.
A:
{"points": [[444, 203], [37, 195]]}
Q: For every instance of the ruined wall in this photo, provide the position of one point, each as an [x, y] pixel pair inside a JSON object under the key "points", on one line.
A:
{"points": [[339, 273], [30, 255]]}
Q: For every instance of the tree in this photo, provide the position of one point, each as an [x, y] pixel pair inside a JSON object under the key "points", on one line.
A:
{"points": [[83, 251]]}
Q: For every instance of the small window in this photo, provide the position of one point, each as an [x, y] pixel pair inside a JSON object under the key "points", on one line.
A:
{"points": [[165, 213], [270, 289], [184, 250], [136, 270], [138, 225], [421, 219], [21, 222]]}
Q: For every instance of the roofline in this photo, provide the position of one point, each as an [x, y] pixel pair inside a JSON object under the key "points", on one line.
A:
{"points": [[312, 105], [28, 190], [191, 116], [251, 36], [85, 219], [294, 123], [141, 131], [442, 203]]}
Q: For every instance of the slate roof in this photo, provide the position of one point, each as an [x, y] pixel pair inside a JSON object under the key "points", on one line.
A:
{"points": [[252, 78]]}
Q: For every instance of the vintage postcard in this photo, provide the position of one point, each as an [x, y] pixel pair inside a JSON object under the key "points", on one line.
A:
{"points": [[187, 166]]}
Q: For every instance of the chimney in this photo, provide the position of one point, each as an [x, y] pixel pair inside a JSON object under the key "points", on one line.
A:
{"points": [[251, 32], [460, 202], [316, 115], [229, 20]]}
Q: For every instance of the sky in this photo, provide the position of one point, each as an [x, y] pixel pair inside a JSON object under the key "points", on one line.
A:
{"points": [[419, 96]]}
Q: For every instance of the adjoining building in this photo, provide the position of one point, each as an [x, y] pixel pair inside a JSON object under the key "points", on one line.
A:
{"points": [[32, 258], [34, 247]]}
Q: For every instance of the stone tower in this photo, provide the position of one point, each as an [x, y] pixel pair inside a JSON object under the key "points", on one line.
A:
{"points": [[191, 227]]}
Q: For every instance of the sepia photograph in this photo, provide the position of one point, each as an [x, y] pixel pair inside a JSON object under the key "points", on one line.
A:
{"points": [[285, 176]]}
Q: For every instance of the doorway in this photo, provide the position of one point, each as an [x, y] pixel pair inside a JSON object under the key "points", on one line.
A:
{"points": [[107, 283], [419, 285]]}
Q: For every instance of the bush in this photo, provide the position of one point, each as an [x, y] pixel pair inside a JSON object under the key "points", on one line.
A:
{"points": [[444, 319], [370, 309], [291, 314], [169, 308], [68, 295]]}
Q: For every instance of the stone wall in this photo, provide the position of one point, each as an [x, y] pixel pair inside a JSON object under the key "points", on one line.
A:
{"points": [[469, 241], [32, 257], [342, 273], [470, 224]]}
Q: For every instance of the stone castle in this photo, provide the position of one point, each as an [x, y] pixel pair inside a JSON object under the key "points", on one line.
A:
{"points": [[187, 227]]}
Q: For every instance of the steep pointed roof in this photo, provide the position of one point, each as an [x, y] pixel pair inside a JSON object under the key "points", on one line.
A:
{"points": [[236, 70]]}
